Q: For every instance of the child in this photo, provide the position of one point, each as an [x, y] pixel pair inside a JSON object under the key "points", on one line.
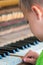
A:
{"points": [[33, 12]]}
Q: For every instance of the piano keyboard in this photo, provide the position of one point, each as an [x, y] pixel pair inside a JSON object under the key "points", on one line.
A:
{"points": [[19, 48]]}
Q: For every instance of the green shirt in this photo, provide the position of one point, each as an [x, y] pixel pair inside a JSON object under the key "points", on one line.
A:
{"points": [[40, 59]]}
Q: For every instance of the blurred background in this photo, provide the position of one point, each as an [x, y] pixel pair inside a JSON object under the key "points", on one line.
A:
{"points": [[13, 25]]}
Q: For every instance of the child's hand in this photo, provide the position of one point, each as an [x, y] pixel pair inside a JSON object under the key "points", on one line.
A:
{"points": [[31, 57]]}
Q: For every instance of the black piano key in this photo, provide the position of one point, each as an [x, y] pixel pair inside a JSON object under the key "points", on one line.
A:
{"points": [[31, 39], [3, 53], [9, 49], [26, 46], [20, 45], [24, 42], [14, 47]]}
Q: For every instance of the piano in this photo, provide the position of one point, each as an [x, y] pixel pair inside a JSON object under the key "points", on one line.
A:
{"points": [[15, 35]]}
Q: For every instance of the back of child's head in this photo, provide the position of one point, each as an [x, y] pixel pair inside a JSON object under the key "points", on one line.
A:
{"points": [[28, 3]]}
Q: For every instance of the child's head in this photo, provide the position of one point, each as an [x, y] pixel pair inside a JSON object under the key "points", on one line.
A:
{"points": [[33, 12]]}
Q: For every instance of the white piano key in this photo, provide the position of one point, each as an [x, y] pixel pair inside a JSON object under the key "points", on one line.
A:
{"points": [[2, 62], [11, 60], [22, 52], [36, 48]]}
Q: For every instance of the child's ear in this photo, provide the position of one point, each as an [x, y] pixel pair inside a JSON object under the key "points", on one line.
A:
{"points": [[38, 11]]}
